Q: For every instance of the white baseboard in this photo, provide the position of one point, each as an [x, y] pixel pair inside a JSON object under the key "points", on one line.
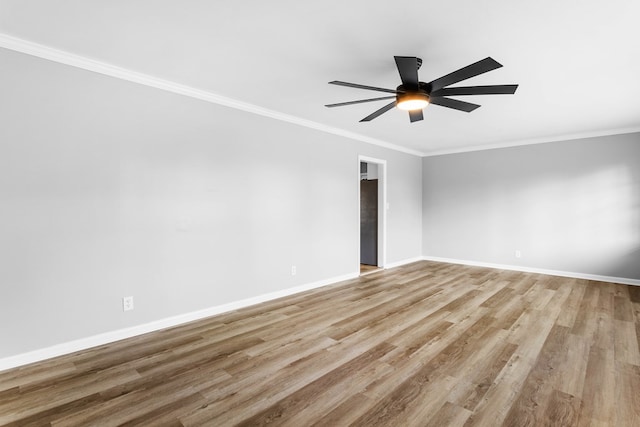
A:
{"points": [[403, 262], [109, 337], [595, 277]]}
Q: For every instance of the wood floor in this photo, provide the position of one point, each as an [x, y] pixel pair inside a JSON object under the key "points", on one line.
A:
{"points": [[428, 344], [366, 269]]}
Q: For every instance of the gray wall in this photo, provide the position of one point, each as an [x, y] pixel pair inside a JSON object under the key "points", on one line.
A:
{"points": [[109, 189], [572, 206]]}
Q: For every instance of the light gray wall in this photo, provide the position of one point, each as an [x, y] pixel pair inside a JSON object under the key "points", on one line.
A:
{"points": [[109, 189], [572, 206], [372, 171]]}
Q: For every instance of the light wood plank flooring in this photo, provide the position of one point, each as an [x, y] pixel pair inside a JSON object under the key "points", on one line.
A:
{"points": [[427, 344], [366, 269]]}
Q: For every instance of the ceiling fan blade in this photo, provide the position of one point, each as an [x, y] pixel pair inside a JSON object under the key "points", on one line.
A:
{"points": [[408, 69], [379, 112], [453, 103], [357, 86], [476, 90], [340, 104], [464, 73], [415, 115]]}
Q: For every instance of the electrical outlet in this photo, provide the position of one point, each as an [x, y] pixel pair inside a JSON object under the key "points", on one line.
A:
{"points": [[518, 254], [293, 270], [127, 303]]}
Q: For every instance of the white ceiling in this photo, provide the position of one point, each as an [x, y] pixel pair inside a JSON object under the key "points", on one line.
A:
{"points": [[577, 62]]}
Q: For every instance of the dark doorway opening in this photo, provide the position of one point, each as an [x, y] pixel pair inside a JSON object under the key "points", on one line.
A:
{"points": [[368, 218]]}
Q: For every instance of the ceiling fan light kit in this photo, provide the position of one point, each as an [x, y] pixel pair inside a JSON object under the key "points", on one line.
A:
{"points": [[410, 101], [413, 95]]}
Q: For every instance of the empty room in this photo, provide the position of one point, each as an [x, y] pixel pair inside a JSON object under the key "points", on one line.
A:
{"points": [[326, 213]]}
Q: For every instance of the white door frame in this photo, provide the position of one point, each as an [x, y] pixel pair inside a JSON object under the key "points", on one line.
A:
{"points": [[382, 205]]}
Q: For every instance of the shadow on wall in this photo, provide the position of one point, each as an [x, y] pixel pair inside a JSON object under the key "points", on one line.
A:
{"points": [[627, 265], [588, 223], [591, 221], [617, 222], [627, 262]]}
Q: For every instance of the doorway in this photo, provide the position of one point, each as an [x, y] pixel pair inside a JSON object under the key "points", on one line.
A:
{"points": [[372, 202]]}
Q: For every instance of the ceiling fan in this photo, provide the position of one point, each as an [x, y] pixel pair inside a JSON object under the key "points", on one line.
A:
{"points": [[413, 95]]}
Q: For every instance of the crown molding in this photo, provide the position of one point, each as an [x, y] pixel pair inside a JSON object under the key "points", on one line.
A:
{"points": [[534, 141], [63, 57]]}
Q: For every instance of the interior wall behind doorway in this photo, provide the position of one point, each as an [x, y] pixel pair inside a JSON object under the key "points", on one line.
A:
{"points": [[369, 218]]}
